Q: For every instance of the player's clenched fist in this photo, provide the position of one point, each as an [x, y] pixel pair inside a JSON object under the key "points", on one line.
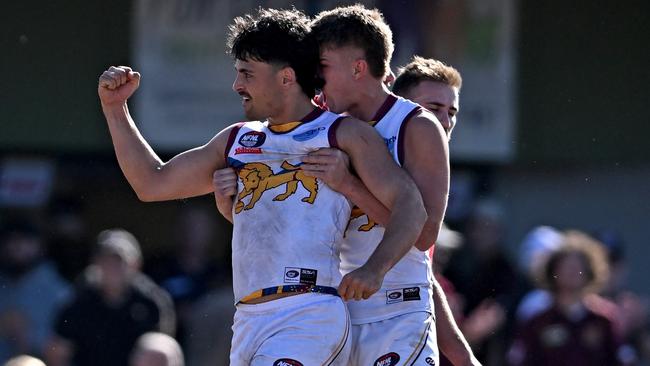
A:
{"points": [[360, 284], [224, 182], [117, 84]]}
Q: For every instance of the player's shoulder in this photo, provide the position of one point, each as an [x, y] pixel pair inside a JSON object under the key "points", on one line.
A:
{"points": [[415, 112], [224, 138], [352, 125], [424, 123], [350, 130]]}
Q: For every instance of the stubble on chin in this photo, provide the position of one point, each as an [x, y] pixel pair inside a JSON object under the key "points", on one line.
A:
{"points": [[250, 114]]}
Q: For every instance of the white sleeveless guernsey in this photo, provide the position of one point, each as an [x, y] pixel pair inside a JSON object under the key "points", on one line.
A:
{"points": [[407, 286], [287, 227]]}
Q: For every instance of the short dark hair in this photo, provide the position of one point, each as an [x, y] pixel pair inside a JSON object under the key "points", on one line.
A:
{"points": [[277, 37], [425, 69], [359, 27]]}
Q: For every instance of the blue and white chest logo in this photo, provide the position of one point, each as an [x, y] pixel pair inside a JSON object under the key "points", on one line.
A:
{"points": [[390, 143], [308, 135], [389, 359], [252, 139]]}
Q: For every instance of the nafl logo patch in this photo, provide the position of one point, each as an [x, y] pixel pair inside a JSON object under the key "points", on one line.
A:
{"points": [[388, 359], [286, 362], [252, 139]]}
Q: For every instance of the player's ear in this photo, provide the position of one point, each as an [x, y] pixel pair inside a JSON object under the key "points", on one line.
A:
{"points": [[389, 79], [359, 68], [288, 76]]}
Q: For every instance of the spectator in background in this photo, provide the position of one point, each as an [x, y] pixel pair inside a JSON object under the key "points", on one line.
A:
{"points": [[633, 321], [68, 236], [486, 318], [31, 291], [24, 360], [485, 276], [211, 328], [574, 330], [114, 304], [156, 349], [192, 271], [537, 244]]}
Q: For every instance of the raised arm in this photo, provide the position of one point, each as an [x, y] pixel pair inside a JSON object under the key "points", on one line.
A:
{"points": [[187, 174], [393, 187]]}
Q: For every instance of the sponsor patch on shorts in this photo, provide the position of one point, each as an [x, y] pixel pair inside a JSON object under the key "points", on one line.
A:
{"points": [[430, 361], [286, 362], [402, 294], [388, 359], [297, 275]]}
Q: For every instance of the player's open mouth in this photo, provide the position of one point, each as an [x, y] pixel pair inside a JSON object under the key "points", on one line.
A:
{"points": [[245, 97]]}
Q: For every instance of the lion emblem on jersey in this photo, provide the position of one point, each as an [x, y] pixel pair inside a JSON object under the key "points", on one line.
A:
{"points": [[258, 178], [356, 212]]}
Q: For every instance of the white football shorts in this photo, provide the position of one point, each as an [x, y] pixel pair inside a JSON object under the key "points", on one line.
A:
{"points": [[307, 329], [408, 339]]}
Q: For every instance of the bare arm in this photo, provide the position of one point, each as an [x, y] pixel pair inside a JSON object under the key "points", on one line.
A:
{"points": [[427, 162], [392, 186], [187, 174], [450, 339]]}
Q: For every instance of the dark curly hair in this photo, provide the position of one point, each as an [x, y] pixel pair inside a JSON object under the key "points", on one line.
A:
{"points": [[277, 37]]}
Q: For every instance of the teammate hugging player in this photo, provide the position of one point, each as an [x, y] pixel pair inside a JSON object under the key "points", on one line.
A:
{"points": [[288, 226]]}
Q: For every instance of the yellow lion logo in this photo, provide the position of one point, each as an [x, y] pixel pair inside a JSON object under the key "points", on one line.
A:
{"points": [[356, 212], [258, 177]]}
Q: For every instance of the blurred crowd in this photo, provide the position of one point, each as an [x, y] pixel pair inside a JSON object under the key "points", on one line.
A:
{"points": [[68, 297]]}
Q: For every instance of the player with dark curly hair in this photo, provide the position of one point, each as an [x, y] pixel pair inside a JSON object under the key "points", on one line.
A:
{"points": [[288, 226]]}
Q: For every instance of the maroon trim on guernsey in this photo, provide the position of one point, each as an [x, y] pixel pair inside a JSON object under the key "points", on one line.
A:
{"points": [[290, 126], [385, 107], [402, 134], [331, 134], [231, 139], [313, 115]]}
